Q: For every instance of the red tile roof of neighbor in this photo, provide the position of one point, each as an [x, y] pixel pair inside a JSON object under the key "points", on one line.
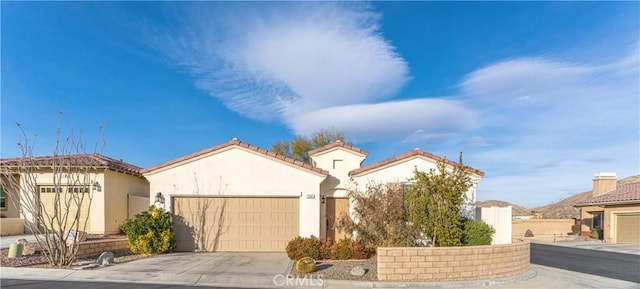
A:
{"points": [[407, 155], [337, 144], [238, 143], [628, 193], [81, 160]]}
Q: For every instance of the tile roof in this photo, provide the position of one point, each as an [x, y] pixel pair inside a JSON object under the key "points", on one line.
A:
{"points": [[627, 193], [94, 160], [336, 144], [407, 155], [238, 143]]}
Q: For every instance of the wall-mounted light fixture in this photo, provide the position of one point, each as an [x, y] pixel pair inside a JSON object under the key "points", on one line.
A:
{"points": [[96, 187], [159, 199]]}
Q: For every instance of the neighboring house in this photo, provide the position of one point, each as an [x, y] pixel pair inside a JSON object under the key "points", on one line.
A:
{"points": [[119, 190], [613, 210], [238, 197]]}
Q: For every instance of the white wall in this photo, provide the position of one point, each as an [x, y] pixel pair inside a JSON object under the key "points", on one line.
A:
{"points": [[500, 219], [236, 171]]}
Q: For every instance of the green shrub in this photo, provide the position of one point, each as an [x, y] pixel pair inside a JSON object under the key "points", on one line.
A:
{"points": [[326, 250], [596, 234], [575, 229], [294, 248], [344, 249], [300, 247], [150, 232], [360, 251], [476, 233]]}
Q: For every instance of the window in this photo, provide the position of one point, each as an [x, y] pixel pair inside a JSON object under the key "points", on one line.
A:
{"points": [[50, 189], [337, 164], [598, 220], [3, 199]]}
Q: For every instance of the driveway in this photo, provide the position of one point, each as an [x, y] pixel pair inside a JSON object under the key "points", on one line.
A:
{"points": [[257, 269], [5, 241]]}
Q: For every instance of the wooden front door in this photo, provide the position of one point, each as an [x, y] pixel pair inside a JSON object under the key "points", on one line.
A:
{"points": [[336, 207]]}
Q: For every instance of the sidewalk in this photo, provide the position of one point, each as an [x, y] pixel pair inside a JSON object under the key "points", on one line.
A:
{"points": [[594, 245], [537, 277], [5, 241]]}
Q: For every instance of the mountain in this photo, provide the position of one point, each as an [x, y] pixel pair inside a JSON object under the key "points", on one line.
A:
{"points": [[515, 209], [562, 209], [565, 209]]}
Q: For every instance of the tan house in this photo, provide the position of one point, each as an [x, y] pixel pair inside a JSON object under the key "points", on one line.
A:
{"points": [[613, 210], [239, 197], [118, 190]]}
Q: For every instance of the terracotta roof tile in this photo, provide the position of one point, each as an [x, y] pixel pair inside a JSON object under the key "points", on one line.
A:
{"points": [[238, 143], [336, 144], [623, 194], [83, 160], [413, 153]]}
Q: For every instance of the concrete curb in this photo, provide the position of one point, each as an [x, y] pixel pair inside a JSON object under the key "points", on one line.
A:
{"points": [[219, 281]]}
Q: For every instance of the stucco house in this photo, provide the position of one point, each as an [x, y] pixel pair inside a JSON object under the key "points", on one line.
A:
{"points": [[118, 190], [613, 210], [239, 197]]}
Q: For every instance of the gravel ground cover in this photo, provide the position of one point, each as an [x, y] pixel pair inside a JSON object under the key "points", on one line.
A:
{"points": [[341, 270], [39, 260]]}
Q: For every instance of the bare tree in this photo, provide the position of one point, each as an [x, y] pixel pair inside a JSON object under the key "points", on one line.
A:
{"points": [[206, 231], [56, 213]]}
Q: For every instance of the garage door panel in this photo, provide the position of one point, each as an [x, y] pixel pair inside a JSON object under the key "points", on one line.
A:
{"points": [[250, 224], [628, 229]]}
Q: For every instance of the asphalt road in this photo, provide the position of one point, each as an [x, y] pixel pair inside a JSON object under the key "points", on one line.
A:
{"points": [[48, 284], [606, 264]]}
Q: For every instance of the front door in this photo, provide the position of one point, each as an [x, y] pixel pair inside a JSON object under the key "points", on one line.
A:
{"points": [[336, 207]]}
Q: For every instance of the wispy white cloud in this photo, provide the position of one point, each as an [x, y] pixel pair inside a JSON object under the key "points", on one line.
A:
{"points": [[548, 120], [284, 60], [416, 119]]}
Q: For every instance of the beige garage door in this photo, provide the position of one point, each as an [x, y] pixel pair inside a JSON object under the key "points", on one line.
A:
{"points": [[628, 229], [235, 223], [69, 199]]}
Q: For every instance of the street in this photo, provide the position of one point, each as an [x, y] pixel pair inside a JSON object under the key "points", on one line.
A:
{"points": [[606, 264], [48, 284]]}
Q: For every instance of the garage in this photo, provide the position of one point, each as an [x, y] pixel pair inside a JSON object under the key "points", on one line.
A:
{"points": [[260, 224], [628, 228], [48, 196]]}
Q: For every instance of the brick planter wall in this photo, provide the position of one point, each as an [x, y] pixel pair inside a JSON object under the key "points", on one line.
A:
{"points": [[95, 248], [452, 263]]}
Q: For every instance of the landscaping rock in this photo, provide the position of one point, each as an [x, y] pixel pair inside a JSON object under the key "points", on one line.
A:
{"points": [[358, 271], [528, 233], [106, 258]]}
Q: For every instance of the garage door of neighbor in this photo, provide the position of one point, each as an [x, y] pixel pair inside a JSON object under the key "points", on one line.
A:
{"points": [[628, 229], [235, 223]]}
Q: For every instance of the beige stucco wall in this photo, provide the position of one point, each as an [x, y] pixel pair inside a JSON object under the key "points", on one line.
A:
{"points": [[45, 177], [402, 172], [12, 202], [11, 226], [338, 182], [236, 171], [542, 227], [116, 187]]}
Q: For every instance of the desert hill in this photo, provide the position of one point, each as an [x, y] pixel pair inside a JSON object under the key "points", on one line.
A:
{"points": [[559, 210]]}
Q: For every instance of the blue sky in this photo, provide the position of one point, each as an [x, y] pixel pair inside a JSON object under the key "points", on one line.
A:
{"points": [[539, 95]]}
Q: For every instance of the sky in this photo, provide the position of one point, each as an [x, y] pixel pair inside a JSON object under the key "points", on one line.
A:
{"points": [[538, 95]]}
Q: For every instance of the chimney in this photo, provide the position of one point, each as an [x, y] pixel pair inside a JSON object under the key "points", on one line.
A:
{"points": [[603, 182]]}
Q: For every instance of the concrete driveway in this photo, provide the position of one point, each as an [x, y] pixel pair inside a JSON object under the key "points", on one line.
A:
{"points": [[221, 268]]}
